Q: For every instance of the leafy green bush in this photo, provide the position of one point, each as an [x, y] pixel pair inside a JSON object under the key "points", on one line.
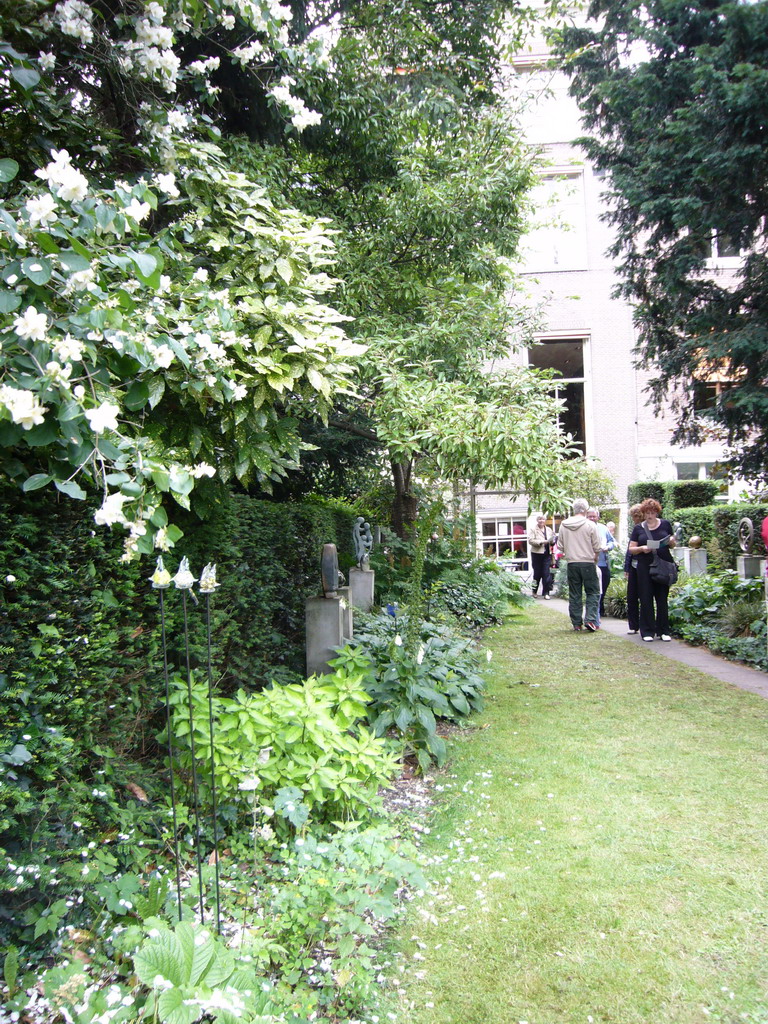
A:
{"points": [[306, 736], [697, 608], [478, 593], [410, 691], [616, 597]]}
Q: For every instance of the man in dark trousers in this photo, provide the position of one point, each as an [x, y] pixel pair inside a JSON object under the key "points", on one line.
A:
{"points": [[580, 542]]}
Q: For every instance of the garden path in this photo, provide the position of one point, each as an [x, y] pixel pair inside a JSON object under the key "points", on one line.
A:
{"points": [[596, 851], [733, 672]]}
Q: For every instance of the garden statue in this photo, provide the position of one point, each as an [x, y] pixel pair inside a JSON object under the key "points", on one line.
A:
{"points": [[678, 530], [363, 541], [746, 533], [329, 569]]}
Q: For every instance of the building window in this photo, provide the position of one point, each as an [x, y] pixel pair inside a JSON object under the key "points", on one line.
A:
{"points": [[704, 471], [558, 236], [503, 536], [565, 355]]}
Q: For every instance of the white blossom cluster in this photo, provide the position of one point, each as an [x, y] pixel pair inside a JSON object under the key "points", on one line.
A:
{"points": [[23, 405], [69, 184], [301, 115], [74, 18]]}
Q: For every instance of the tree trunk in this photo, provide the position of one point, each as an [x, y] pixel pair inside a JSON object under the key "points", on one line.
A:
{"points": [[405, 504]]}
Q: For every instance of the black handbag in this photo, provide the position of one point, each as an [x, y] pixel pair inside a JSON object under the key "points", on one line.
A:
{"points": [[661, 571]]}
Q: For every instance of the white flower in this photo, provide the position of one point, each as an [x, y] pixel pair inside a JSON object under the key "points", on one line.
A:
{"points": [[73, 186], [420, 656], [304, 118], [248, 785], [398, 641], [10, 579], [137, 211], [162, 355], [177, 119], [167, 183], [111, 511], [160, 982], [103, 418], [79, 392], [161, 540], [24, 406], [59, 374], [203, 469], [31, 325], [41, 210], [201, 274], [47, 61]]}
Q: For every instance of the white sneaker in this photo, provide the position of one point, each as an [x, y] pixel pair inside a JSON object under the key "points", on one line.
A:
{"points": [[547, 597], [665, 637], [648, 639]]}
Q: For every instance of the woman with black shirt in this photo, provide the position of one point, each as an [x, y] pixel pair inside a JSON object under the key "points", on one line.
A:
{"points": [[650, 592]]}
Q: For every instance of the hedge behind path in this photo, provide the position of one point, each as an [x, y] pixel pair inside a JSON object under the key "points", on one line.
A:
{"points": [[599, 847]]}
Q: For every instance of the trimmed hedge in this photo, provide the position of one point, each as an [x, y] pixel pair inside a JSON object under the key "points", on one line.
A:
{"points": [[674, 495], [81, 669], [717, 525]]}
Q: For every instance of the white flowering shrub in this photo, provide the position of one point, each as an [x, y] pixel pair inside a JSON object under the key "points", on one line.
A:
{"points": [[157, 334]]}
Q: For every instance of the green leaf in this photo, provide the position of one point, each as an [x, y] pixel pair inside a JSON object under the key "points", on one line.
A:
{"points": [[156, 386], [34, 483], [9, 301], [37, 269], [27, 78], [137, 396], [145, 261], [71, 488], [8, 170], [46, 433], [73, 261], [172, 1008]]}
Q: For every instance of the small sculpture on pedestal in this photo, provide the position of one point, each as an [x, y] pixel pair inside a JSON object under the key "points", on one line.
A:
{"points": [[362, 538]]}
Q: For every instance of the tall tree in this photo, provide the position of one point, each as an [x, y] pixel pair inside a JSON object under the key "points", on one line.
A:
{"points": [[424, 173], [676, 96]]}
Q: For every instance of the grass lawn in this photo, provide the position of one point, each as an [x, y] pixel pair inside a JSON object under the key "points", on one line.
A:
{"points": [[599, 851]]}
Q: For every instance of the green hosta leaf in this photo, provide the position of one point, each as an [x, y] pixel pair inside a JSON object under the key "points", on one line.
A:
{"points": [[284, 269], [172, 1008], [161, 957], [8, 170]]}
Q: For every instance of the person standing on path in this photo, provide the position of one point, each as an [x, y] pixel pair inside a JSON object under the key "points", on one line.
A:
{"points": [[579, 541], [540, 541], [630, 575], [653, 536], [607, 543]]}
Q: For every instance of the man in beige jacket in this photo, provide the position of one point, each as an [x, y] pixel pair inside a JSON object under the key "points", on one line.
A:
{"points": [[580, 542]]}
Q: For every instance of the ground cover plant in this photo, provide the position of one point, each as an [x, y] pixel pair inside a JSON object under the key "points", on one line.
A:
{"points": [[596, 851], [723, 612]]}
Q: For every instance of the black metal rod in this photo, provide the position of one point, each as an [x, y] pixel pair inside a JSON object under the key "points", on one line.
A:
{"points": [[213, 765], [194, 766], [170, 752]]}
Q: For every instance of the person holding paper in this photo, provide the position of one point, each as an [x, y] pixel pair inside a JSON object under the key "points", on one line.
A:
{"points": [[652, 536]]}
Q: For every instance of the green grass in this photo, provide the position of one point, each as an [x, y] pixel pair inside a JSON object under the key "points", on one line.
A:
{"points": [[599, 852]]}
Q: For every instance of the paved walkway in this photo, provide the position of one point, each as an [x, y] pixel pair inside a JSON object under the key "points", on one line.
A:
{"points": [[697, 657]]}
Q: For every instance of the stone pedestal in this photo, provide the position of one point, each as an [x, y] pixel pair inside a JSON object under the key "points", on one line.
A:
{"points": [[693, 560], [750, 567], [324, 618], [346, 613], [361, 588]]}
